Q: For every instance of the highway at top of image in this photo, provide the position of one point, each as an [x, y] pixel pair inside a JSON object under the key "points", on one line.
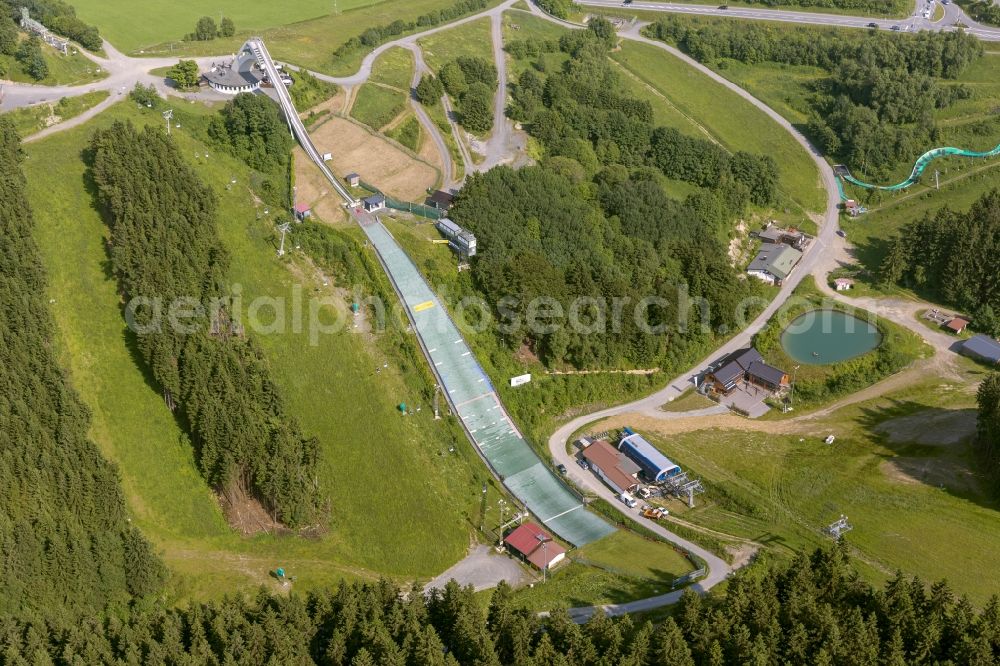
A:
{"points": [[915, 22]]}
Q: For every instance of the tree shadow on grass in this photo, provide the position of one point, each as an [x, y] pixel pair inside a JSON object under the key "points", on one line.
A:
{"points": [[130, 338], [930, 446]]}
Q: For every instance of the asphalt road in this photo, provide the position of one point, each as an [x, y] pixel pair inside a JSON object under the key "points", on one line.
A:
{"points": [[125, 72], [718, 568], [447, 165], [953, 16]]}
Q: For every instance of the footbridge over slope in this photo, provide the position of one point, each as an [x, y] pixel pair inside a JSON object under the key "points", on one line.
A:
{"points": [[466, 386]]}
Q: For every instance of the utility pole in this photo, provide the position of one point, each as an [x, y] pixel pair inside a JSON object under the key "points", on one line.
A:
{"points": [[545, 560], [284, 230], [168, 116], [437, 391], [937, 181]]}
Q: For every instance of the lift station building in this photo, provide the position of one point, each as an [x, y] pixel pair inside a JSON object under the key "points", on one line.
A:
{"points": [[655, 466], [461, 241]]}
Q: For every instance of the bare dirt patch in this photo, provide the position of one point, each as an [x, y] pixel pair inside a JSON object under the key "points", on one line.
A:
{"points": [[525, 354], [377, 160], [429, 150], [247, 515], [933, 427], [312, 188], [742, 555], [335, 104]]}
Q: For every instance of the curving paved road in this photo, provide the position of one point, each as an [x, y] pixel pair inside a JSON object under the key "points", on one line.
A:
{"points": [[447, 165], [718, 568], [125, 72]]}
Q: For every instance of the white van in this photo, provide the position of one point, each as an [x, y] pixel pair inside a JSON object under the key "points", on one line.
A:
{"points": [[628, 500]]}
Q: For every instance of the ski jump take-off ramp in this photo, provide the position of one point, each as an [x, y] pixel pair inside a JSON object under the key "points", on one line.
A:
{"points": [[918, 168], [467, 388]]}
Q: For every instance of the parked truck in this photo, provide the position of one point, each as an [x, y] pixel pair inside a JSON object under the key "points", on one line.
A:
{"points": [[628, 500]]}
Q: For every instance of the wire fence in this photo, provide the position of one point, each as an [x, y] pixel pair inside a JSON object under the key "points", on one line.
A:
{"points": [[417, 209]]}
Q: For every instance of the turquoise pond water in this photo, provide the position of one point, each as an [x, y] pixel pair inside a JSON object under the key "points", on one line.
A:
{"points": [[821, 337]]}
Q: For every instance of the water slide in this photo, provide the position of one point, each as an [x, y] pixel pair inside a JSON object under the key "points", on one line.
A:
{"points": [[918, 168]]}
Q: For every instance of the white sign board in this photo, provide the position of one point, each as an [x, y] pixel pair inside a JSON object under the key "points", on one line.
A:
{"points": [[518, 381], [327, 157]]}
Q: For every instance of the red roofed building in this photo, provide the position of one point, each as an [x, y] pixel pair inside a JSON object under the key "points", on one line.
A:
{"points": [[535, 545], [302, 211], [957, 325], [613, 466]]}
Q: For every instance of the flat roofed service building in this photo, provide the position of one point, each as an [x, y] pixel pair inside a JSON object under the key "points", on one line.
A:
{"points": [[655, 466]]}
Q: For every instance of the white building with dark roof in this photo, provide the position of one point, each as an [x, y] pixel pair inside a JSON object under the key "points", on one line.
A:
{"points": [[241, 74]]}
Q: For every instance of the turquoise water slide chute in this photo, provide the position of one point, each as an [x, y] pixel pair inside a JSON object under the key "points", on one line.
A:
{"points": [[918, 168]]}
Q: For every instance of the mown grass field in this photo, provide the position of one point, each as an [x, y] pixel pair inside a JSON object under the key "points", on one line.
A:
{"points": [[401, 503], [31, 119], [134, 25], [64, 70], [394, 68], [628, 553], [917, 505], [733, 121], [376, 105], [521, 25], [407, 133], [469, 39], [688, 401], [308, 43]]}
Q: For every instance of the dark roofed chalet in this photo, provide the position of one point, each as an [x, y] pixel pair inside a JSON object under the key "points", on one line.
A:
{"points": [[747, 364], [768, 376], [441, 200], [727, 377]]}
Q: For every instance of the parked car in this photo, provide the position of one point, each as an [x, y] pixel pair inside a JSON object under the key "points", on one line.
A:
{"points": [[896, 28], [561, 468], [841, 233], [582, 463], [628, 500]]}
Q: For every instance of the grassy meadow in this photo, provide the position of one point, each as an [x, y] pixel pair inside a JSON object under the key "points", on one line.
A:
{"points": [[136, 25], [401, 503], [469, 39], [394, 68], [308, 43], [913, 496], [64, 70], [31, 119], [730, 119], [376, 105]]}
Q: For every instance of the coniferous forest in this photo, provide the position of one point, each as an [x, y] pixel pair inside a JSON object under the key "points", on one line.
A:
{"points": [[66, 544], [987, 442], [813, 610], [952, 256], [165, 250]]}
